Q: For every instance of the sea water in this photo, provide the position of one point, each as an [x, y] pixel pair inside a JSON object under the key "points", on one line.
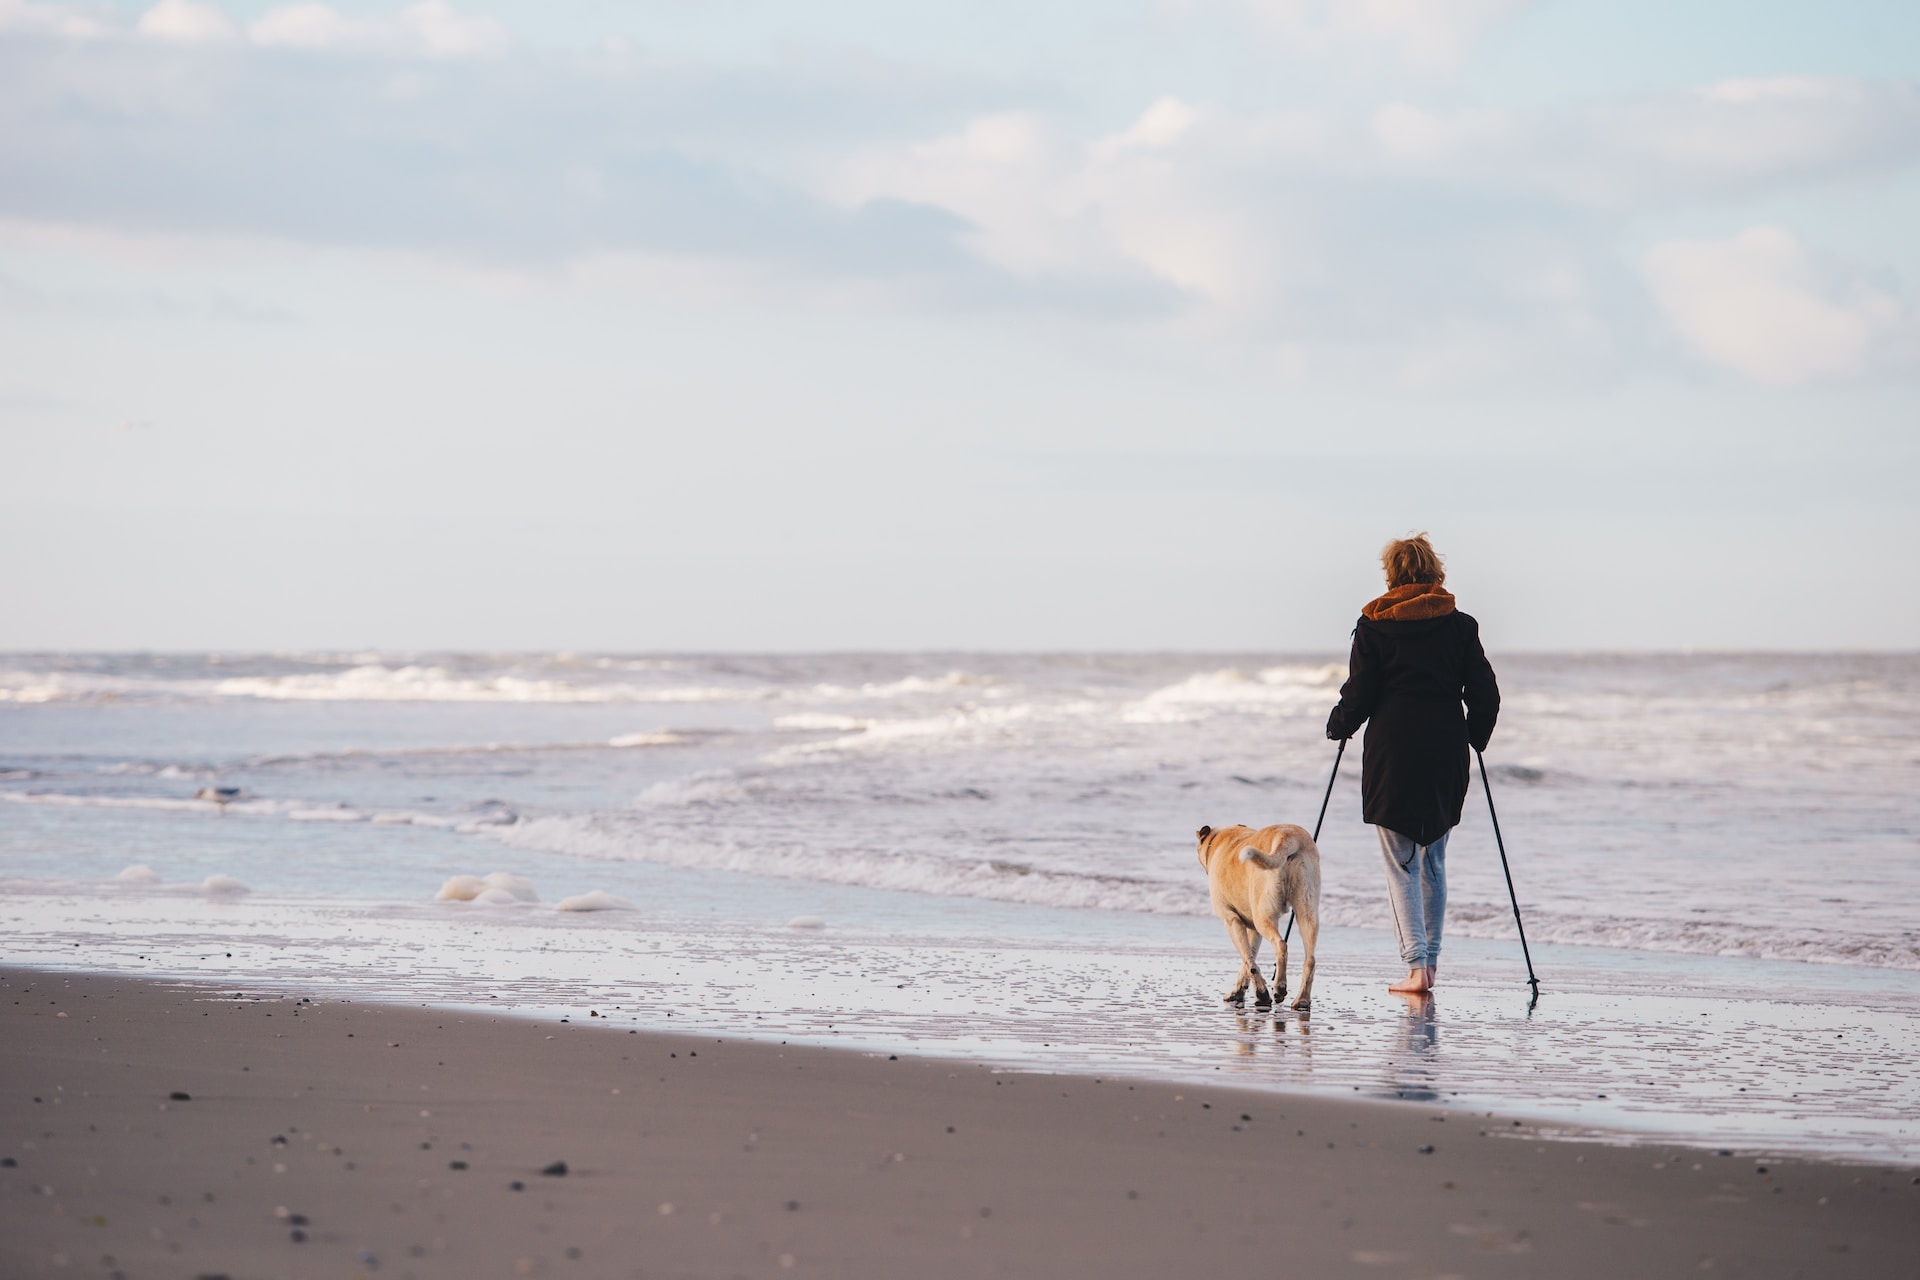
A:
{"points": [[994, 856]]}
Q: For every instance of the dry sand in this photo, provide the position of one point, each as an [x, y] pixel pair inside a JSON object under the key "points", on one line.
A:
{"points": [[157, 1130]]}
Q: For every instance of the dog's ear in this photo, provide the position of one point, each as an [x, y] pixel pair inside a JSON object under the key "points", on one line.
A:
{"points": [[1203, 833]]}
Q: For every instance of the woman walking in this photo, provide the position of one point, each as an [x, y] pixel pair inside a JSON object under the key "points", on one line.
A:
{"points": [[1415, 660]]}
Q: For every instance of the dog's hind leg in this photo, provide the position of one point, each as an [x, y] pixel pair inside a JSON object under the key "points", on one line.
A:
{"points": [[1270, 929], [1309, 921], [1247, 942]]}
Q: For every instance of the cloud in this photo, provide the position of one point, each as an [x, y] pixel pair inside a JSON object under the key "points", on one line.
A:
{"points": [[1417, 138], [431, 29], [188, 22], [1762, 305], [57, 20], [1421, 242], [1422, 35], [1736, 134], [1298, 231]]}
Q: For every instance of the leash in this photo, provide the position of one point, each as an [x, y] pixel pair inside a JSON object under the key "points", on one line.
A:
{"points": [[1288, 936], [1511, 895]]}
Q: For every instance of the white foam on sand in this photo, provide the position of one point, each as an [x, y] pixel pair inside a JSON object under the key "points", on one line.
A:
{"points": [[223, 886], [806, 922], [495, 889], [593, 900], [140, 873]]}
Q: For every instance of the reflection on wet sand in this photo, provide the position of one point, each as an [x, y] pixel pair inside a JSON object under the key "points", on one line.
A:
{"points": [[1414, 1071], [1812, 1058]]}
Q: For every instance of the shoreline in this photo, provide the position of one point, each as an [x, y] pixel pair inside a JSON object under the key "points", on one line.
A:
{"points": [[1753, 1055], [395, 1135]]}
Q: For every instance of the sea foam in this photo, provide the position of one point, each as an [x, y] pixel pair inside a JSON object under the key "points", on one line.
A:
{"points": [[496, 888], [593, 900]]}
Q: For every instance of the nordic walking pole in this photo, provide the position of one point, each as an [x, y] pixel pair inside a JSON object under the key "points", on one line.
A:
{"points": [[1288, 936], [1511, 895]]}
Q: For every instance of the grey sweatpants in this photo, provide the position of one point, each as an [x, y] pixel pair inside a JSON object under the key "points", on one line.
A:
{"points": [[1417, 892]]}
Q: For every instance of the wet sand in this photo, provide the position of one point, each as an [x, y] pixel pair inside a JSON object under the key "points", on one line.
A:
{"points": [[169, 1130]]}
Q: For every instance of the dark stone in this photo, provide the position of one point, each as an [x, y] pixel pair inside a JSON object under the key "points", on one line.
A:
{"points": [[516, 1186], [558, 1169], [177, 1096], [456, 1164], [1427, 1150]]}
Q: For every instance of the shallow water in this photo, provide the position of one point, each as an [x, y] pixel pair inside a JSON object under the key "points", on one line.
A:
{"points": [[1001, 850], [1755, 1056]]}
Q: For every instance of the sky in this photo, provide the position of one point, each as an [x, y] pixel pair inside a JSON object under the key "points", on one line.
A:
{"points": [[680, 325]]}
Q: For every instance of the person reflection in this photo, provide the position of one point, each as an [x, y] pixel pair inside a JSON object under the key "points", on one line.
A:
{"points": [[1412, 1069]]}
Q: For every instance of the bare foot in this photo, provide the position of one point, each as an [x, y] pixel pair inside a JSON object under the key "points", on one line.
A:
{"points": [[1416, 981]]}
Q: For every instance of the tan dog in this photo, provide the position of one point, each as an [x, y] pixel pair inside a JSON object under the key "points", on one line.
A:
{"points": [[1255, 876]]}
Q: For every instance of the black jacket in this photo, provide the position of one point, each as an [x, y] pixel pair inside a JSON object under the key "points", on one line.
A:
{"points": [[1409, 678]]}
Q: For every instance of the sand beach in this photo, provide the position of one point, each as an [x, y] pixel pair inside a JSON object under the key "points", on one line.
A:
{"points": [[166, 1128]]}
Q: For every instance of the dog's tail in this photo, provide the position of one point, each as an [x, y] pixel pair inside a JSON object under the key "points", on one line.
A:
{"points": [[1289, 847]]}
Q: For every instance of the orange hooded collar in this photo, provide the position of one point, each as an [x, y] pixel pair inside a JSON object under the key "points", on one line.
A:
{"points": [[1413, 602]]}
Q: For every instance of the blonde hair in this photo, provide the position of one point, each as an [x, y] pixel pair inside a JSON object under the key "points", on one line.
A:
{"points": [[1412, 559]]}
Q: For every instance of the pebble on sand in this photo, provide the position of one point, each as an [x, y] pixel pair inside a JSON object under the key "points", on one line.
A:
{"points": [[558, 1169]]}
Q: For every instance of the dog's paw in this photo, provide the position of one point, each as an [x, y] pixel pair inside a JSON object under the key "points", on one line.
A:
{"points": [[1234, 997], [1263, 1001], [1303, 1004]]}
